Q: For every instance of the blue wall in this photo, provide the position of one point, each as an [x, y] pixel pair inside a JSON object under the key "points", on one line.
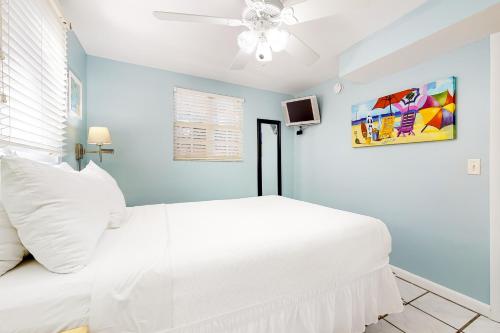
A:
{"points": [[76, 130], [136, 103], [437, 214]]}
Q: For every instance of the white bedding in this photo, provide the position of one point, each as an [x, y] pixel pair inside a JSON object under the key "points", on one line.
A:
{"points": [[35, 300], [32, 299], [266, 264], [256, 265]]}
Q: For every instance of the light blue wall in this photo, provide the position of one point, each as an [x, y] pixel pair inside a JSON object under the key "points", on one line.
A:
{"points": [[76, 130], [437, 214], [426, 20], [136, 103]]}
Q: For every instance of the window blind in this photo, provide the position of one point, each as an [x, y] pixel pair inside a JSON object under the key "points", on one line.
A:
{"points": [[33, 77], [207, 126]]}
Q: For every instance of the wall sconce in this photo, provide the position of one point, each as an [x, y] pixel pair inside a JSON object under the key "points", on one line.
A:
{"points": [[97, 136]]}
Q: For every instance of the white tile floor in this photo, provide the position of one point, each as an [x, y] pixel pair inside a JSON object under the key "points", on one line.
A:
{"points": [[425, 312]]}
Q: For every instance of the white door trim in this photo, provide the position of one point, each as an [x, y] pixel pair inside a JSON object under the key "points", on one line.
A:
{"points": [[495, 176]]}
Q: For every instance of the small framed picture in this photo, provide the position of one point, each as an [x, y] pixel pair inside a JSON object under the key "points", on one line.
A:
{"points": [[75, 96]]}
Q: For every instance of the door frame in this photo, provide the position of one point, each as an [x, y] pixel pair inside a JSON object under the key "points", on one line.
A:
{"points": [[494, 177], [259, 154]]}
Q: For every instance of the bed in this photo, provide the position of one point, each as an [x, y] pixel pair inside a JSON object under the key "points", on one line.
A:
{"points": [[267, 264]]}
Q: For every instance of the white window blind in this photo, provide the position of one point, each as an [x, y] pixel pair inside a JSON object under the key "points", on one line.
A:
{"points": [[33, 77], [207, 126]]}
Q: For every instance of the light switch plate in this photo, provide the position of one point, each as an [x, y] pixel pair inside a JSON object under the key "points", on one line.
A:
{"points": [[474, 166]]}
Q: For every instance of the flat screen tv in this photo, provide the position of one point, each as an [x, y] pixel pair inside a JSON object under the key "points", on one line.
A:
{"points": [[301, 111]]}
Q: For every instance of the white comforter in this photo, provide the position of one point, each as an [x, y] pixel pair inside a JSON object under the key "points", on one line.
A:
{"points": [[266, 264]]}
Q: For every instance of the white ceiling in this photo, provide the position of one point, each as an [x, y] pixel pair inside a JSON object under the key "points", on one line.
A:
{"points": [[126, 30]]}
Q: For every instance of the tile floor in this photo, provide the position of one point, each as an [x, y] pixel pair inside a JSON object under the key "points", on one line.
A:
{"points": [[426, 312]]}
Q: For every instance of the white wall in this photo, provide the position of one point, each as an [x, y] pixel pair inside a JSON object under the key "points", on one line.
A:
{"points": [[495, 174]]}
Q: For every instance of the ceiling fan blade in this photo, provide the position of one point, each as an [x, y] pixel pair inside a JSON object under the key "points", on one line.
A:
{"points": [[301, 51], [181, 17], [311, 10], [241, 61]]}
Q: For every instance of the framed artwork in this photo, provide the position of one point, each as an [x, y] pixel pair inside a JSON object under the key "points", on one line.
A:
{"points": [[75, 96], [412, 115]]}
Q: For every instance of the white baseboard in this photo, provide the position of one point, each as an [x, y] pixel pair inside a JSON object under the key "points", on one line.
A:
{"points": [[445, 292]]}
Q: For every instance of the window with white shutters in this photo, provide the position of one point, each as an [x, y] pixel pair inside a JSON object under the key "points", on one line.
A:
{"points": [[207, 126], [33, 78]]}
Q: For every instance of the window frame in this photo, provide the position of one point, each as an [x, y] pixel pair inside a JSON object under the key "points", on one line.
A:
{"points": [[209, 126]]}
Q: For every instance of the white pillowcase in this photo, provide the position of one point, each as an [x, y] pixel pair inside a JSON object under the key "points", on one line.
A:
{"points": [[114, 197], [59, 215], [12, 251], [65, 166]]}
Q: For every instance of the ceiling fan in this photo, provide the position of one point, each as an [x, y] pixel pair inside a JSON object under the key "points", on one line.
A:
{"points": [[265, 21]]}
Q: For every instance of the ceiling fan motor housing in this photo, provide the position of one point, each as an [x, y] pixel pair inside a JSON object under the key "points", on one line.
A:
{"points": [[277, 4], [262, 15]]}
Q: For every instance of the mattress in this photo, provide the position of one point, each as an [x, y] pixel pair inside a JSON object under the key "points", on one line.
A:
{"points": [[267, 264], [32, 299]]}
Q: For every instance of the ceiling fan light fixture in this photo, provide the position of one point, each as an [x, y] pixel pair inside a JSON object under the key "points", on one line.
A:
{"points": [[278, 39], [247, 41], [264, 52]]}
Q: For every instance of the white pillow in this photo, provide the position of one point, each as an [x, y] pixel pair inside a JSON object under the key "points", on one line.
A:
{"points": [[12, 250], [59, 215], [114, 199], [64, 166]]}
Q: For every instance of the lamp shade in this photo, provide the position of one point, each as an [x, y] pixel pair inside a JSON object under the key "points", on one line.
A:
{"points": [[99, 136]]}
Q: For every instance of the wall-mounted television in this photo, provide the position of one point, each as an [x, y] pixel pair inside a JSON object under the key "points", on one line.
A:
{"points": [[301, 111]]}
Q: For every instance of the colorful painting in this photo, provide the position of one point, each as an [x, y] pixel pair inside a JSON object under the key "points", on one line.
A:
{"points": [[75, 96], [412, 115]]}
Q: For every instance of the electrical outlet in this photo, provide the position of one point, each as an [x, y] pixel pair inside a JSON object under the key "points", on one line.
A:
{"points": [[474, 166]]}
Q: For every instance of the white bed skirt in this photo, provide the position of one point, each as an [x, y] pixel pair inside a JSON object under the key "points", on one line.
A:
{"points": [[345, 308]]}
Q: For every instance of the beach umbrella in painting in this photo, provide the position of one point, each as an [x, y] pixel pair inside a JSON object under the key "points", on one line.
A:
{"points": [[388, 100], [411, 102], [438, 110], [411, 97], [430, 102], [444, 98]]}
